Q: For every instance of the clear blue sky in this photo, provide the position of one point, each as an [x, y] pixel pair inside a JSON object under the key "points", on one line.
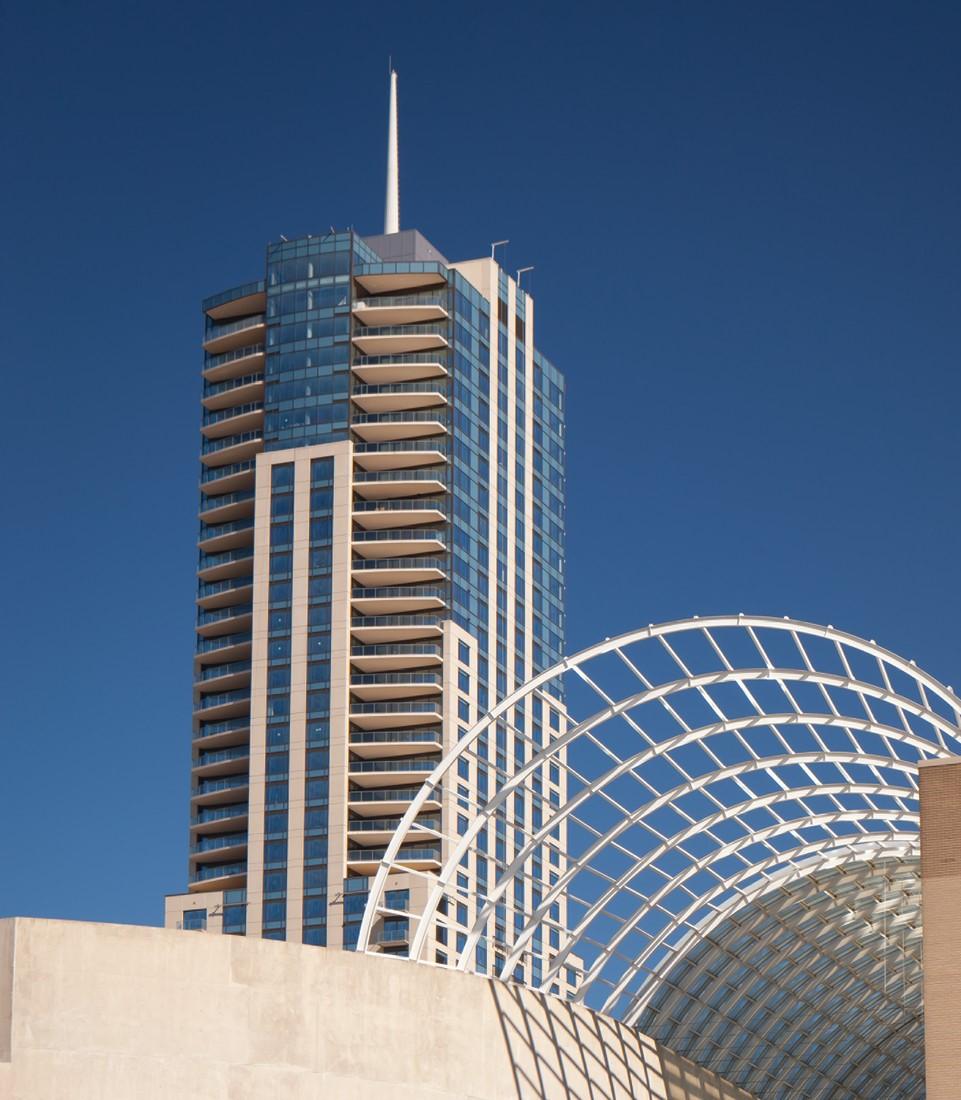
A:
{"points": [[745, 224]]}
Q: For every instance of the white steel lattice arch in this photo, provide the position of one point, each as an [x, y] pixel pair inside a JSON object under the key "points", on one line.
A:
{"points": [[732, 771]]}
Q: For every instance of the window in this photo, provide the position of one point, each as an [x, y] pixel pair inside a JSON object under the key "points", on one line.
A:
{"points": [[195, 920]]}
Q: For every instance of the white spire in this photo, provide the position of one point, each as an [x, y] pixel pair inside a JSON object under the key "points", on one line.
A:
{"points": [[392, 206]]}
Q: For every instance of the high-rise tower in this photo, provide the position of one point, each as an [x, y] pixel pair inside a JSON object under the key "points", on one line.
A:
{"points": [[381, 559]]}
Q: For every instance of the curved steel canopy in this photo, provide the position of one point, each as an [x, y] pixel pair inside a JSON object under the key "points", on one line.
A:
{"points": [[723, 852]]}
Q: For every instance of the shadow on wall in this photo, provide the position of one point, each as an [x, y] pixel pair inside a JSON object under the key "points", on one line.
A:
{"points": [[561, 1051]]}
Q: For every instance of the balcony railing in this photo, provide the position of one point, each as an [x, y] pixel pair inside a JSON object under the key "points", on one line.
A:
{"points": [[398, 388], [215, 416], [219, 614], [438, 329], [223, 783], [388, 824], [400, 418], [398, 534], [424, 592], [215, 473], [372, 679], [395, 737], [230, 356], [218, 870], [215, 588], [228, 725], [225, 557], [438, 444], [223, 641], [393, 794], [369, 855], [215, 843], [227, 328], [424, 504], [216, 530], [214, 389], [219, 813], [398, 649], [225, 296], [224, 500], [408, 358], [211, 446], [215, 672], [394, 620], [221, 699], [403, 300], [367, 476], [395, 708]]}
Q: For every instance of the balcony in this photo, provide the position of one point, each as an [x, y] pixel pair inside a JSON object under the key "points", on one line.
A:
{"points": [[390, 484], [224, 620], [217, 537], [221, 762], [381, 629], [400, 454], [227, 506], [365, 861], [219, 876], [234, 364], [226, 677], [372, 716], [399, 397], [229, 563], [245, 390], [376, 572], [219, 848], [375, 515], [397, 543], [383, 744], [234, 419], [222, 480], [395, 277], [379, 830], [395, 685], [380, 803], [232, 335], [231, 449], [400, 339], [217, 792], [216, 735], [230, 647], [383, 427], [398, 599], [403, 655], [216, 819], [401, 309], [376, 370], [239, 301], [223, 704]]}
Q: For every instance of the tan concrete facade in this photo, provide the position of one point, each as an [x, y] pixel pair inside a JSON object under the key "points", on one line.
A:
{"points": [[940, 782], [112, 1012]]}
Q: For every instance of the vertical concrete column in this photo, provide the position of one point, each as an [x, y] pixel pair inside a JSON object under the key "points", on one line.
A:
{"points": [[940, 782]]}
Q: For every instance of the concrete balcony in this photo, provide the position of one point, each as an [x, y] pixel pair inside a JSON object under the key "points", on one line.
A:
{"points": [[386, 281], [246, 390], [217, 792], [224, 620], [383, 744], [397, 543], [235, 364], [218, 849], [218, 537], [232, 335], [411, 771], [385, 629], [249, 300], [223, 507], [397, 657], [378, 370], [378, 572], [398, 599], [221, 762], [387, 427], [403, 396], [232, 448], [223, 704], [225, 677], [226, 593], [371, 686], [232, 420], [400, 309], [378, 831], [398, 454], [367, 861], [216, 651], [395, 484], [400, 340], [216, 877], [372, 716], [219, 819], [384, 801], [377, 515]]}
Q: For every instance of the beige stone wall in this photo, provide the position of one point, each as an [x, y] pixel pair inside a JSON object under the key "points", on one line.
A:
{"points": [[941, 915], [111, 1012]]}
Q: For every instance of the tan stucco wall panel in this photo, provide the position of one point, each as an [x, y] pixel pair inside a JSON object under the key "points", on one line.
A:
{"points": [[109, 1012]]}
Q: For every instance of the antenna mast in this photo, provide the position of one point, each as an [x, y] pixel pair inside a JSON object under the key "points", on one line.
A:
{"points": [[392, 205]]}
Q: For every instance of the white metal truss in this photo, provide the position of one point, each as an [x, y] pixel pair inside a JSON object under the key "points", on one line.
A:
{"points": [[723, 851]]}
